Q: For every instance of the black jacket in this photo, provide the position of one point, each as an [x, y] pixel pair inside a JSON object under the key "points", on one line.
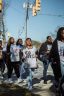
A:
{"points": [[42, 51], [43, 48], [54, 56]]}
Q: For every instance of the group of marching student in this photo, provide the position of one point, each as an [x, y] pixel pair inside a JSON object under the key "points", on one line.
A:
{"points": [[20, 58], [23, 59]]}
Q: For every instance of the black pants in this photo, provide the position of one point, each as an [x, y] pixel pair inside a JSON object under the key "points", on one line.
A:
{"points": [[2, 65], [56, 72], [62, 86], [15, 66]]}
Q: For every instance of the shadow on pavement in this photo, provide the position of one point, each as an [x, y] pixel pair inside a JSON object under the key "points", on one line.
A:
{"points": [[52, 88], [49, 77], [35, 80], [14, 90]]}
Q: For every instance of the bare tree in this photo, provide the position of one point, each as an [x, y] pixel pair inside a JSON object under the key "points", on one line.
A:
{"points": [[5, 5], [53, 34]]}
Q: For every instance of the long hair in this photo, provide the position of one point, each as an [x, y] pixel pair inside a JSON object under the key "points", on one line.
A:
{"points": [[9, 41], [17, 43], [59, 33]]}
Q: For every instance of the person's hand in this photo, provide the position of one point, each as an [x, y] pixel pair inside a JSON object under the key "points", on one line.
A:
{"points": [[55, 62], [47, 52]]}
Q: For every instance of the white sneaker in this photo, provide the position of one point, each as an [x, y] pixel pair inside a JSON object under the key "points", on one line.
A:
{"points": [[8, 81], [30, 89], [42, 81], [25, 81], [2, 77], [19, 80], [49, 81]]}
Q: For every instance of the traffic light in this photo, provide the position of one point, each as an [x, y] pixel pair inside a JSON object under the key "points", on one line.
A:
{"points": [[34, 13], [38, 5], [0, 5]]}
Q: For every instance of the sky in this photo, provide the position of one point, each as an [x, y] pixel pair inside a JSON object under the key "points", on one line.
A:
{"points": [[47, 20]]}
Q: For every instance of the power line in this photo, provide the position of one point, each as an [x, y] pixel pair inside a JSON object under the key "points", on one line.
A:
{"points": [[49, 14], [46, 14]]}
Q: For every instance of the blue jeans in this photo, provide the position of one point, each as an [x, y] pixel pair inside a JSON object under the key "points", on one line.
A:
{"points": [[62, 68], [22, 70], [45, 65], [26, 72], [29, 77]]}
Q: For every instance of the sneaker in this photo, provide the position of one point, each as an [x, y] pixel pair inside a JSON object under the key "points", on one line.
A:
{"points": [[42, 81], [49, 81], [30, 89], [25, 81], [8, 81], [19, 80], [2, 77]]}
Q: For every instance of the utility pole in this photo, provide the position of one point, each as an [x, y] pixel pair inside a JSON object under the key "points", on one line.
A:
{"points": [[27, 6], [35, 7], [27, 17]]}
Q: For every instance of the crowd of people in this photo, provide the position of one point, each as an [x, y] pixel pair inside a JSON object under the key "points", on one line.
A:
{"points": [[23, 58], [20, 58]]}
